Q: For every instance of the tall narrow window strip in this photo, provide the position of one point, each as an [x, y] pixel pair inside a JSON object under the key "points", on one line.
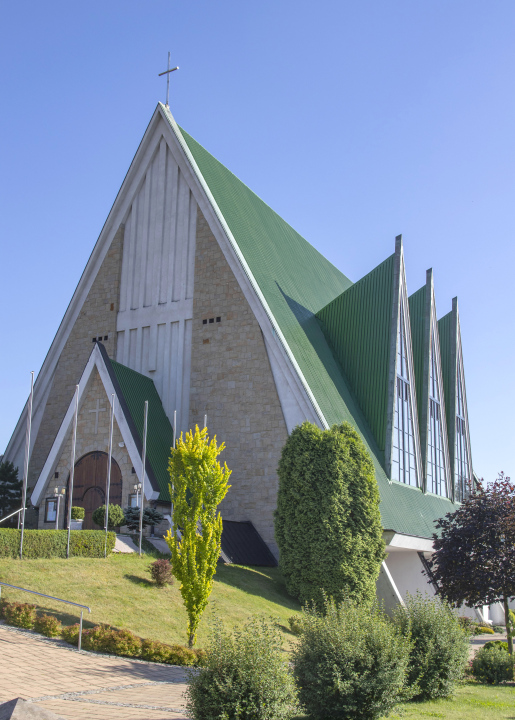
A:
{"points": [[461, 458], [404, 465], [436, 474]]}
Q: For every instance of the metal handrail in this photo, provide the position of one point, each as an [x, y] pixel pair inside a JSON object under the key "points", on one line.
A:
{"points": [[50, 597], [8, 516]]}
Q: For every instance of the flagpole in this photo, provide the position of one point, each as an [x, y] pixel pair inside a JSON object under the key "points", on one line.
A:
{"points": [[108, 488], [26, 463], [145, 421], [72, 470]]}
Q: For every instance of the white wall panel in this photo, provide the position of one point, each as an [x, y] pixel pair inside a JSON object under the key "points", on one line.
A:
{"points": [[156, 294]]}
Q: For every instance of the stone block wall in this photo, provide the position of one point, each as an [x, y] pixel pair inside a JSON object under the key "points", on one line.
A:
{"points": [[97, 318], [89, 441], [232, 382]]}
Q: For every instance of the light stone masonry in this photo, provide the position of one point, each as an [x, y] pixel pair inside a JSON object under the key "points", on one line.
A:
{"points": [[88, 441], [97, 318], [232, 382]]}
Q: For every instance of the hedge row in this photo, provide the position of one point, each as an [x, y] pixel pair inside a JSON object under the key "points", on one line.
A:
{"points": [[101, 638], [52, 543]]}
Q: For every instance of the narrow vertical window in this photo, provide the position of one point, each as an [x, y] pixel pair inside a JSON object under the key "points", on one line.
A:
{"points": [[436, 475], [404, 466], [461, 458]]}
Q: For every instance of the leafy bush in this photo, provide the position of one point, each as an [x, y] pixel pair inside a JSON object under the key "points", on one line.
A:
{"points": [[105, 639], [116, 517], [484, 630], [327, 522], [492, 665], [155, 651], [350, 663], [70, 633], [499, 629], [439, 646], [296, 623], [151, 516], [161, 572], [78, 513], [496, 644], [52, 543], [243, 676], [467, 624], [48, 625], [19, 614]]}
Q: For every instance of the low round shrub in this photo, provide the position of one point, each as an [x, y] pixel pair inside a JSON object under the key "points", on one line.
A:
{"points": [[21, 615], [350, 662], [492, 665], [296, 624], [155, 651], [243, 676], [116, 518], [496, 643], [499, 629], [484, 630], [105, 639], [439, 646], [151, 516], [48, 625], [70, 633], [78, 513], [467, 624], [161, 572]]}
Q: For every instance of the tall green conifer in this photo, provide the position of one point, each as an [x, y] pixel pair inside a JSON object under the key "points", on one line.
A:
{"points": [[327, 522]]}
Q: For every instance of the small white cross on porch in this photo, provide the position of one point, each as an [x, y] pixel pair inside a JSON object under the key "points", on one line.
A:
{"points": [[97, 410]]}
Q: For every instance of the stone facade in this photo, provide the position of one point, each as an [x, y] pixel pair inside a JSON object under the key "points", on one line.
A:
{"points": [[88, 441], [232, 382], [97, 318]]}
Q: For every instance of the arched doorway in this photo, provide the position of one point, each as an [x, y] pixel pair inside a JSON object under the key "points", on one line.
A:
{"points": [[89, 485]]}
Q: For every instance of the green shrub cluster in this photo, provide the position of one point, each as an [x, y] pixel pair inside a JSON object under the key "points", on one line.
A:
{"points": [[327, 522], [115, 518], [296, 623], [48, 625], [243, 676], [78, 513], [492, 665], [18, 614], [105, 639], [52, 543], [351, 662], [439, 646], [496, 643], [483, 630], [499, 629]]}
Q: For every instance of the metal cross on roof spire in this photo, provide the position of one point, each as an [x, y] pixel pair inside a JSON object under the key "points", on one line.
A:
{"points": [[167, 73]]}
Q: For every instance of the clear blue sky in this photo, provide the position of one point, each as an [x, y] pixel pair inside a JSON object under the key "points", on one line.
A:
{"points": [[355, 121]]}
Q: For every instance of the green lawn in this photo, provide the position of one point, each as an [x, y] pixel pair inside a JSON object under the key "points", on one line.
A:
{"points": [[471, 702], [120, 593]]}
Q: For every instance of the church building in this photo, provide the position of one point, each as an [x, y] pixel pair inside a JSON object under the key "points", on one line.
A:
{"points": [[200, 299]]}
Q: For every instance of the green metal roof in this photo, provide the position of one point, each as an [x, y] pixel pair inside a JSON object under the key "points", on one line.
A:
{"points": [[297, 282], [445, 327], [135, 389], [357, 325], [417, 309]]}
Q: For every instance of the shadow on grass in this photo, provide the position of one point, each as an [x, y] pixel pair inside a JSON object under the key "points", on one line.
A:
{"points": [[138, 580], [264, 582]]}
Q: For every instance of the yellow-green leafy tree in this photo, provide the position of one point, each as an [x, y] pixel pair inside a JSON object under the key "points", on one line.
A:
{"points": [[198, 486]]}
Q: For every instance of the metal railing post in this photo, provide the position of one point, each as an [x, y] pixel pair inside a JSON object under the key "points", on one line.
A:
{"points": [[80, 630]]}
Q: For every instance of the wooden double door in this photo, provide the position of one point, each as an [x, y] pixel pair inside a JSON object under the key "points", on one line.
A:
{"points": [[89, 485]]}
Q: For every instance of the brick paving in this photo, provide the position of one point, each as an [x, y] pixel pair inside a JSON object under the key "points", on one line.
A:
{"points": [[86, 686]]}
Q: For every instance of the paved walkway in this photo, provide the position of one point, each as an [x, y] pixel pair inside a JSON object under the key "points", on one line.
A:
{"points": [[86, 686]]}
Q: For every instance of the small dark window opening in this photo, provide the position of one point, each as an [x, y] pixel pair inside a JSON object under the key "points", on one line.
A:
{"points": [[56, 475], [133, 471], [211, 320], [93, 339], [204, 322], [218, 319], [105, 337]]}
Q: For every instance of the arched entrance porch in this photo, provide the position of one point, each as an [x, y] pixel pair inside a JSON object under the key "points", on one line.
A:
{"points": [[89, 485]]}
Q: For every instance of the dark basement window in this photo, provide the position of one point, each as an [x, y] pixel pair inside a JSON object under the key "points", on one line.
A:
{"points": [[211, 320], [204, 322], [218, 319]]}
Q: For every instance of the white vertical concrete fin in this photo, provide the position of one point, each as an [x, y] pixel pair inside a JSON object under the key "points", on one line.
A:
{"points": [[386, 590]]}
